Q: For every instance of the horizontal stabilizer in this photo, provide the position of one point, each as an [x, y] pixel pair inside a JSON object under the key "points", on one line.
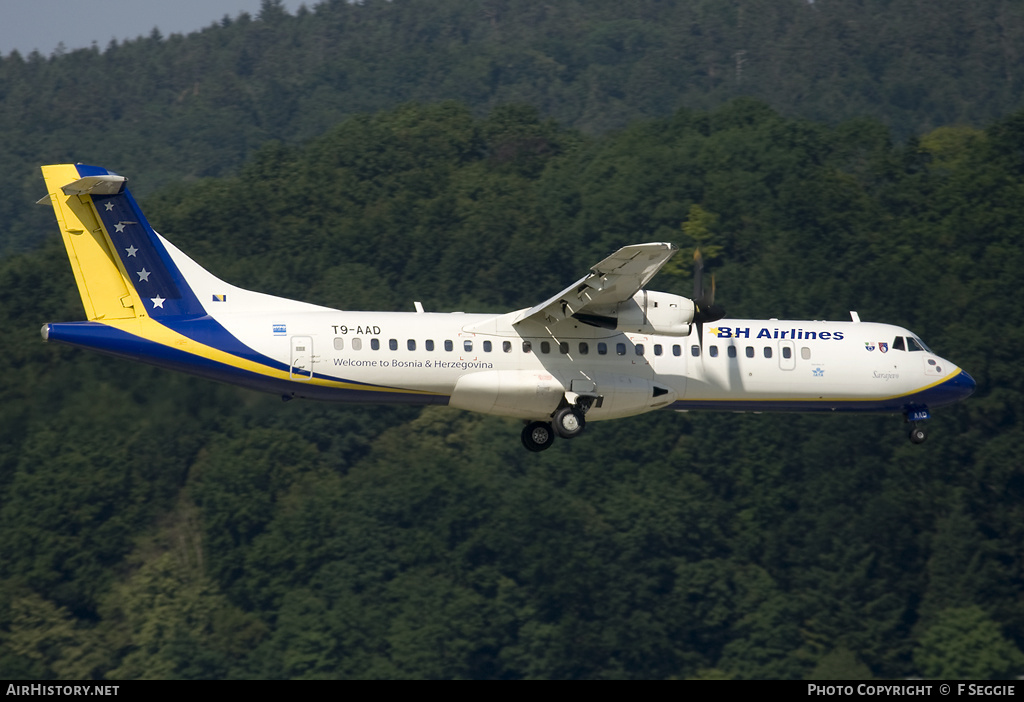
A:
{"points": [[96, 185]]}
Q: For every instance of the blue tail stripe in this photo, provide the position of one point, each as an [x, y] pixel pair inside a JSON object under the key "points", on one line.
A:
{"points": [[97, 336], [163, 289], [208, 331]]}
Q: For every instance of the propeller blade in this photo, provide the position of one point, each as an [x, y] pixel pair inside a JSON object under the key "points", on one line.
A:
{"points": [[698, 275], [705, 309]]}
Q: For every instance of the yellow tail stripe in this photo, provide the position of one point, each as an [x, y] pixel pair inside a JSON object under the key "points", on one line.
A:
{"points": [[106, 290]]}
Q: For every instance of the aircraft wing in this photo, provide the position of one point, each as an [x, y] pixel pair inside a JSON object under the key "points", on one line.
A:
{"points": [[613, 280]]}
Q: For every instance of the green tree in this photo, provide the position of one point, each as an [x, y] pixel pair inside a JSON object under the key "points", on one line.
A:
{"points": [[964, 644]]}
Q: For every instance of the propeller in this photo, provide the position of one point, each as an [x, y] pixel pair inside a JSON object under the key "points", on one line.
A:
{"points": [[704, 308]]}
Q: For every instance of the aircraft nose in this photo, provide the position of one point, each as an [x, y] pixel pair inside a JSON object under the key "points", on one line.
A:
{"points": [[962, 385]]}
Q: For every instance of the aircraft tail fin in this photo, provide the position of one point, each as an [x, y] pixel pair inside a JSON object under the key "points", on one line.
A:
{"points": [[122, 267]]}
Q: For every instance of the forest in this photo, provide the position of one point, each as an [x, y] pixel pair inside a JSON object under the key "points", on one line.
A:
{"points": [[175, 108], [159, 526]]}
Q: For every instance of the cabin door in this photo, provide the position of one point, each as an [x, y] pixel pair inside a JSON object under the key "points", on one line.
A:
{"points": [[302, 358]]}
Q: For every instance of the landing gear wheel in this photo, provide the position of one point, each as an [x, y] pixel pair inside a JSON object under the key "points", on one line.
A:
{"points": [[917, 435], [569, 422], [538, 436]]}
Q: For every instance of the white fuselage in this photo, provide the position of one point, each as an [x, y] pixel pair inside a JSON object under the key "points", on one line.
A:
{"points": [[484, 363]]}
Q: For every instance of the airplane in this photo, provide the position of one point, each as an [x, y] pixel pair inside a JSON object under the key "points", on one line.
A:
{"points": [[604, 347]]}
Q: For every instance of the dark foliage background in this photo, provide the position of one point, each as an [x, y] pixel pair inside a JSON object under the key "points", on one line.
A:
{"points": [[155, 525], [167, 109]]}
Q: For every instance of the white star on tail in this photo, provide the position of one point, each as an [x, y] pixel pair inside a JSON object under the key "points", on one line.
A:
{"points": [[109, 206], [119, 227], [143, 275], [157, 301], [131, 251]]}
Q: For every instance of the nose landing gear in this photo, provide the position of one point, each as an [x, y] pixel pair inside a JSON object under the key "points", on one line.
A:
{"points": [[914, 415]]}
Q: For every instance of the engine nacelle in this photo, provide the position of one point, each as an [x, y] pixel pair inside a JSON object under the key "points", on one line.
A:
{"points": [[647, 312]]}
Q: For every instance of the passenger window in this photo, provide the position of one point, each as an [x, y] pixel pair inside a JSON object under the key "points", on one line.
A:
{"points": [[339, 344], [767, 351], [393, 344], [545, 347], [467, 345], [602, 348], [787, 352], [732, 351], [563, 347], [506, 346], [677, 350], [584, 348], [639, 349], [411, 344], [527, 347], [357, 344], [448, 345], [429, 344], [375, 344], [912, 344], [897, 345], [713, 350], [695, 350], [620, 349], [805, 352], [657, 349], [749, 351], [487, 346]]}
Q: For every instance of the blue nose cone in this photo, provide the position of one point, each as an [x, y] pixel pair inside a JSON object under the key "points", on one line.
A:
{"points": [[967, 384], [947, 392], [959, 387]]}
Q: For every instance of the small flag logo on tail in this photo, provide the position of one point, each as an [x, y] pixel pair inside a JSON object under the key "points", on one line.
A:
{"points": [[220, 298]]}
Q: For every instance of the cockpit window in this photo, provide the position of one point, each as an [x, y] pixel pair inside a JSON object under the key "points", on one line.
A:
{"points": [[913, 344], [897, 345]]}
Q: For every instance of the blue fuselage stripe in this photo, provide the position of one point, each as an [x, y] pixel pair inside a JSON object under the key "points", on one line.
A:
{"points": [[96, 336]]}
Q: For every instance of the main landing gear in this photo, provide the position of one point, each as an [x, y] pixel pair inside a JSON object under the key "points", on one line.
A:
{"points": [[538, 436], [568, 422]]}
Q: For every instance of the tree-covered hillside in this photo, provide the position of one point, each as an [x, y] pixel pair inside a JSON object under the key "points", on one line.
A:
{"points": [[168, 109], [155, 525]]}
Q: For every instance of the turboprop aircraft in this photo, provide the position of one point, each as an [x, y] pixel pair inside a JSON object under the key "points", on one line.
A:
{"points": [[602, 348]]}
